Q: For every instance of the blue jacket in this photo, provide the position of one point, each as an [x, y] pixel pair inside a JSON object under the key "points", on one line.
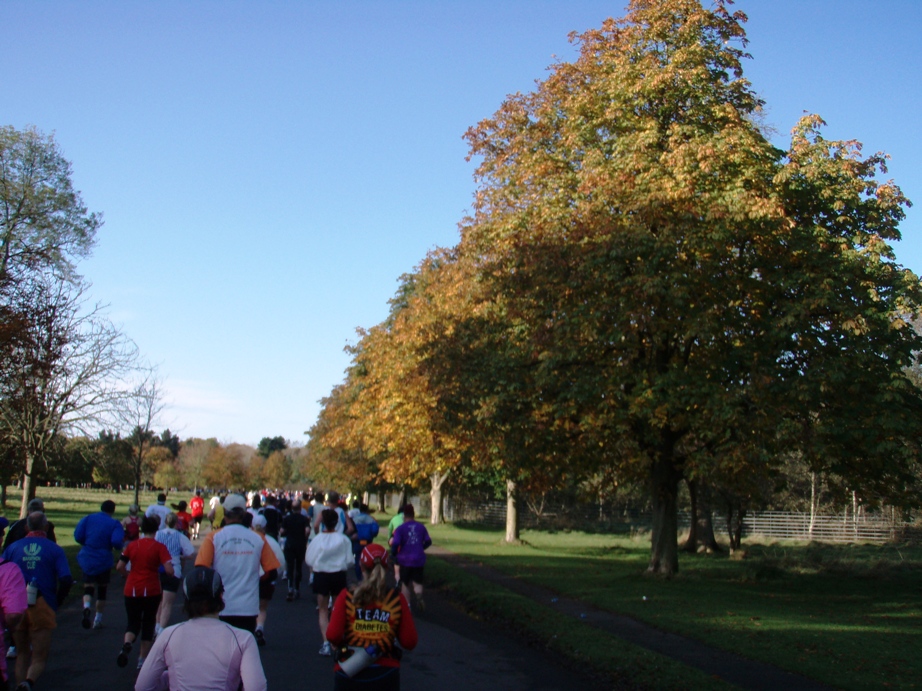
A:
{"points": [[99, 534], [41, 559]]}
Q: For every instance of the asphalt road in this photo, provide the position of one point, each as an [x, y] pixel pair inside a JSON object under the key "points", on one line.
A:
{"points": [[455, 652]]}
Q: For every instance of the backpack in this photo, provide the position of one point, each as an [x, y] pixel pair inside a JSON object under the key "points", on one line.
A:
{"points": [[133, 529]]}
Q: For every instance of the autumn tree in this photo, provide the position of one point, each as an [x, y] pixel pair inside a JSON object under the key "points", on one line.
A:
{"points": [[276, 472], [666, 292], [192, 455]]}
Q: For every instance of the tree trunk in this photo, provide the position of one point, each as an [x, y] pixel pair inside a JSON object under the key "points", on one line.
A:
{"points": [[664, 556], [691, 542], [706, 537], [813, 504], [435, 496], [512, 513], [27, 485], [735, 515], [402, 499]]}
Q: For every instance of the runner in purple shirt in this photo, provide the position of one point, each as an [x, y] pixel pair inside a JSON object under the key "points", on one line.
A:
{"points": [[408, 544]]}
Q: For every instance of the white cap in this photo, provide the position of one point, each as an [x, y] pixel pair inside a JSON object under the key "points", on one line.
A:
{"points": [[259, 521], [234, 501]]}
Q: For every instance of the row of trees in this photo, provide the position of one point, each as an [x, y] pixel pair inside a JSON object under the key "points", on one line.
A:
{"points": [[146, 459], [648, 291]]}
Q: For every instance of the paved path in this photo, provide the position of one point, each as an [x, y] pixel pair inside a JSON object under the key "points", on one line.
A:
{"points": [[455, 653]]}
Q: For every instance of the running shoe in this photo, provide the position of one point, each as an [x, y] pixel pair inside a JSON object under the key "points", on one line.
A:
{"points": [[326, 649], [122, 659], [24, 686], [260, 638], [87, 618], [11, 653], [97, 624], [291, 596]]}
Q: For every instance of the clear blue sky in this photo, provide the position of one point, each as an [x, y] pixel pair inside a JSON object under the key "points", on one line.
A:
{"points": [[268, 170]]}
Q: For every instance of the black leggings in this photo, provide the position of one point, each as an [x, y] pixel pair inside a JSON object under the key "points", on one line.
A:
{"points": [[377, 678], [294, 562], [142, 615]]}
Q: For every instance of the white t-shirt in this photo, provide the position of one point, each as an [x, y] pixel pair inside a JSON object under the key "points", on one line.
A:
{"points": [[330, 553], [159, 510], [278, 552], [238, 554]]}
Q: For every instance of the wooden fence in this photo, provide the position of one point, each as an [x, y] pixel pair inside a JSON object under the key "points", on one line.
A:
{"points": [[778, 525]]}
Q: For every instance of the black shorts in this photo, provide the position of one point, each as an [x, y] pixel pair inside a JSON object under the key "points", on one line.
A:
{"points": [[169, 583], [266, 590], [197, 519], [411, 574], [328, 583], [103, 578]]}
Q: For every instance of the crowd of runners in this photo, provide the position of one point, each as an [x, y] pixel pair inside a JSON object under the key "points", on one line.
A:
{"points": [[225, 559]]}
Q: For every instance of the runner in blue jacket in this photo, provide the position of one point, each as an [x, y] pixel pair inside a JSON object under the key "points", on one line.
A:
{"points": [[99, 533]]}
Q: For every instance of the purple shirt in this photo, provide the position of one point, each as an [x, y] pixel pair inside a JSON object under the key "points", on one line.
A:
{"points": [[409, 543]]}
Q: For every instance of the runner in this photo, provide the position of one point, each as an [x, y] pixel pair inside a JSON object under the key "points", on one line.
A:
{"points": [[160, 510], [98, 533], [373, 617], [142, 588], [266, 586], [238, 554], [179, 546], [131, 524], [45, 570], [197, 509], [203, 653], [408, 545], [330, 557], [13, 603], [295, 529]]}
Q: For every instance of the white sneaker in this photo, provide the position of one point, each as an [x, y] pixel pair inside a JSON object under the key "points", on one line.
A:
{"points": [[11, 653], [326, 649]]}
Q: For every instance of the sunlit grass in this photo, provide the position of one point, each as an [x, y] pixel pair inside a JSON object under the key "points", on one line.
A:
{"points": [[848, 615]]}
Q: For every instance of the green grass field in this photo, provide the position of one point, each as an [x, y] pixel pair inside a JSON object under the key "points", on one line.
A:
{"points": [[847, 615], [65, 507]]}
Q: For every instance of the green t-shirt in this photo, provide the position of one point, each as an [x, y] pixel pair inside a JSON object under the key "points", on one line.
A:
{"points": [[392, 526]]}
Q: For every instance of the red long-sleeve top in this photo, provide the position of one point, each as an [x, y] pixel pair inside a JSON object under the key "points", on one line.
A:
{"points": [[378, 623]]}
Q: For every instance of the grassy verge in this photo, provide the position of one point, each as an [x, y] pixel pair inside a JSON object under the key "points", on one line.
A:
{"points": [[847, 615], [618, 664]]}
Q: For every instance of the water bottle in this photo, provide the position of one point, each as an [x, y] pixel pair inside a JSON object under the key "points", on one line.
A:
{"points": [[359, 660], [32, 591]]}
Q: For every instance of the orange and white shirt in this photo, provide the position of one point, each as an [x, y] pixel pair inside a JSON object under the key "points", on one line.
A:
{"points": [[238, 553]]}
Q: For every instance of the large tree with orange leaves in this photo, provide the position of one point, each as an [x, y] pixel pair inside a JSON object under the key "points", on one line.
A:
{"points": [[668, 291]]}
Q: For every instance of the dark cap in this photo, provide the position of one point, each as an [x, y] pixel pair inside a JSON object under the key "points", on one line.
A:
{"points": [[202, 584]]}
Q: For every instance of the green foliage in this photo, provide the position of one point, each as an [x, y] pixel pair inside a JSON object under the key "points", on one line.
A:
{"points": [[268, 445]]}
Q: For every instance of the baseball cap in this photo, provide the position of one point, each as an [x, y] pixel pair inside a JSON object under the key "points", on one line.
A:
{"points": [[259, 521], [234, 501], [373, 554]]}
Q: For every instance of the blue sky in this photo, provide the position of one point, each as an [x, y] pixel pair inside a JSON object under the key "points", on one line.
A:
{"points": [[268, 170]]}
